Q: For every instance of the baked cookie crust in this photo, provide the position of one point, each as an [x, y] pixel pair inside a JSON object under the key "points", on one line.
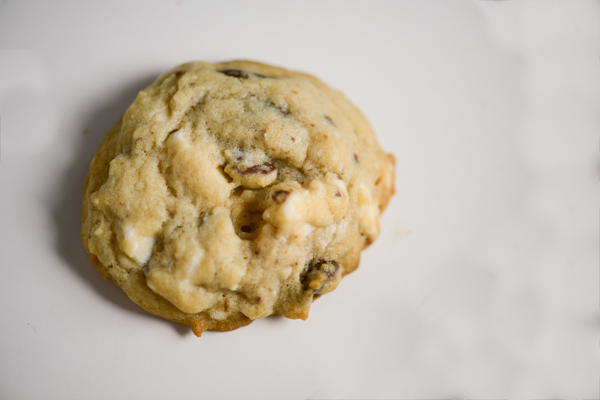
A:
{"points": [[230, 192]]}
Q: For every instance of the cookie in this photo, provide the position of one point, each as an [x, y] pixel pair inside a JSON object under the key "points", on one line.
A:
{"points": [[230, 192]]}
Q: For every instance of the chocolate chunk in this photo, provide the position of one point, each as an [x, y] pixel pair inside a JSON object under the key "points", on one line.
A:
{"points": [[241, 73], [317, 273], [280, 196], [282, 111], [236, 73], [264, 169], [179, 73]]}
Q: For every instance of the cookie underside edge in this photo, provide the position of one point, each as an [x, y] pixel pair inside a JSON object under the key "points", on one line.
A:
{"points": [[135, 286]]}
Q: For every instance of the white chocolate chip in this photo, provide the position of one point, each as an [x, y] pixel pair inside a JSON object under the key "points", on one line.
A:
{"points": [[137, 246], [369, 213], [286, 272], [218, 315], [176, 141], [324, 203], [253, 177]]}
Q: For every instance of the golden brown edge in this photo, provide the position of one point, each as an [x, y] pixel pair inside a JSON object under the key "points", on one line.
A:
{"points": [[134, 285]]}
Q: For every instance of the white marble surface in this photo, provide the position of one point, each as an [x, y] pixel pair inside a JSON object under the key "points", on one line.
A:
{"points": [[485, 280]]}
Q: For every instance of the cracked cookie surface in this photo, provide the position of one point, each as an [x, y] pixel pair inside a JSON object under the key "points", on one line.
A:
{"points": [[230, 192]]}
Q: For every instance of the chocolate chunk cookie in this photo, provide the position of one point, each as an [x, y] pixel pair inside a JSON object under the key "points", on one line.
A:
{"points": [[230, 192]]}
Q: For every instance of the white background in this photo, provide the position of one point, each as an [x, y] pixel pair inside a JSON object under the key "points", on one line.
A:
{"points": [[484, 283]]}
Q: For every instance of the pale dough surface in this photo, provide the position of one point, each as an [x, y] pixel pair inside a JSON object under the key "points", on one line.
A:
{"points": [[230, 192]]}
